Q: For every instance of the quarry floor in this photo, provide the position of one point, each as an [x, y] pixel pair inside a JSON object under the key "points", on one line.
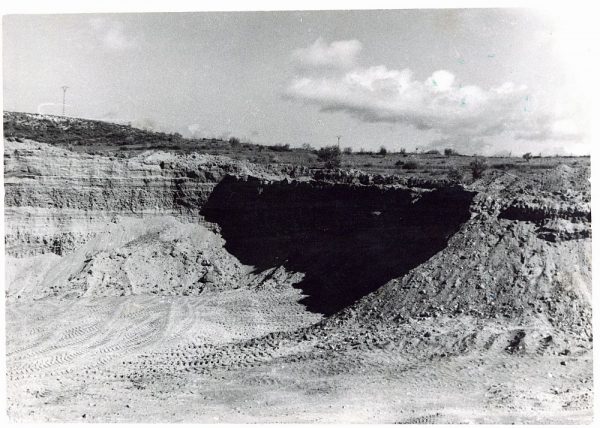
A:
{"points": [[169, 359]]}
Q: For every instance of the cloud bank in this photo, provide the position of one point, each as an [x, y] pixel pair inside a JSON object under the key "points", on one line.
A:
{"points": [[330, 77]]}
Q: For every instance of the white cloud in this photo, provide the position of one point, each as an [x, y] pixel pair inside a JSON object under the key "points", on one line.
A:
{"points": [[377, 94], [440, 103], [111, 34], [320, 55]]}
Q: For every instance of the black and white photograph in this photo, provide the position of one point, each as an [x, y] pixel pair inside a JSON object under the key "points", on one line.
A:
{"points": [[309, 215]]}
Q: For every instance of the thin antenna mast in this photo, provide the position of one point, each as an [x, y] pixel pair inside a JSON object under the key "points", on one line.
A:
{"points": [[64, 88]]}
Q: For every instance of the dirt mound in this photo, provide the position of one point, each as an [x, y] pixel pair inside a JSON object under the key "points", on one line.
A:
{"points": [[151, 256], [502, 266]]}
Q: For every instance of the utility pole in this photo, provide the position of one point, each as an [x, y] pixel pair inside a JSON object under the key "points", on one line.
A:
{"points": [[64, 88], [339, 137]]}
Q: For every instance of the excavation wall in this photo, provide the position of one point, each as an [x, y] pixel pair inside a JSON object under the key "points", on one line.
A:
{"points": [[56, 200]]}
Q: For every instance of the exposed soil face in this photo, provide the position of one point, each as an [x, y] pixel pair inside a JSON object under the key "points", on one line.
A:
{"points": [[170, 287], [347, 240]]}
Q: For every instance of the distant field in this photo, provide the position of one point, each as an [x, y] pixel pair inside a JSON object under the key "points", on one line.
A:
{"points": [[109, 139]]}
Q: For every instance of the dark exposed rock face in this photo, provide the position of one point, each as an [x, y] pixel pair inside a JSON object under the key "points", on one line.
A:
{"points": [[348, 240]]}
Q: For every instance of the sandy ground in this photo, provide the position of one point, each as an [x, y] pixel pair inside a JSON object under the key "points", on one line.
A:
{"points": [[193, 359]]}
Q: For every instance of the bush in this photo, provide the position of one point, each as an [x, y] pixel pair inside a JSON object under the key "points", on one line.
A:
{"points": [[527, 156], [502, 166], [450, 152], [383, 151], [280, 148], [478, 166], [454, 175], [411, 164], [403, 152], [331, 156], [348, 150], [234, 142]]}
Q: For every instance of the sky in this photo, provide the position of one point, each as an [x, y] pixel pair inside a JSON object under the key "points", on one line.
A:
{"points": [[483, 81]]}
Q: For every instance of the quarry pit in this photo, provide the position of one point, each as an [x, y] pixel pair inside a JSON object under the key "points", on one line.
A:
{"points": [[202, 288]]}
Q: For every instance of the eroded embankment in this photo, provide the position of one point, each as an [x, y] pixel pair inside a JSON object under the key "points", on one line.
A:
{"points": [[347, 240], [56, 200]]}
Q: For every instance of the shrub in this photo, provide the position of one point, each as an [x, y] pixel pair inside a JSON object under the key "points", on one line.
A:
{"points": [[411, 164], [403, 152], [280, 148], [347, 150], [450, 152], [502, 166], [454, 175], [527, 156], [307, 147], [331, 156], [478, 166], [234, 142], [383, 151]]}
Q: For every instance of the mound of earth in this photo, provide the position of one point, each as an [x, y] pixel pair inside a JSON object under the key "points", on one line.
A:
{"points": [[502, 282], [130, 257]]}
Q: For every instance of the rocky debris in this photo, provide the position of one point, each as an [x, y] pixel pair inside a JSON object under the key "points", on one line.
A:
{"points": [[516, 343]]}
